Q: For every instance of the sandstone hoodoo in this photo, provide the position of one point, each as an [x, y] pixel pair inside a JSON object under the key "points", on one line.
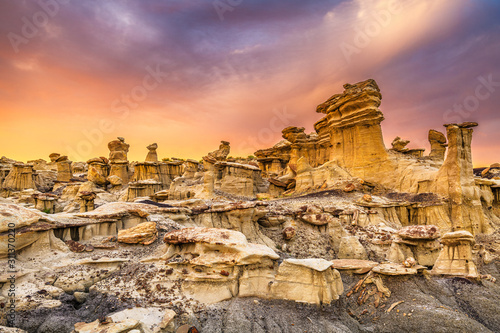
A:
{"points": [[324, 231], [118, 161]]}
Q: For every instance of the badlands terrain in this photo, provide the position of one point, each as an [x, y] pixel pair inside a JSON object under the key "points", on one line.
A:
{"points": [[324, 232]]}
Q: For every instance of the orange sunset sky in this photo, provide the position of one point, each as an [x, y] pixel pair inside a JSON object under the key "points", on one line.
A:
{"points": [[186, 74]]}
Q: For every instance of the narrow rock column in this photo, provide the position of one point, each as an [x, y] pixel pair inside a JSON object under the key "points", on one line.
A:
{"points": [[152, 154], [64, 170], [455, 180], [438, 145], [118, 150], [209, 176]]}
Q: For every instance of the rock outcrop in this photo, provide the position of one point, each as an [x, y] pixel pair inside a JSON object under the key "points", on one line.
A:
{"points": [[98, 170], [246, 269], [399, 144], [144, 233], [152, 155], [118, 161], [455, 180], [20, 177], [438, 145], [455, 259], [221, 153], [418, 242], [352, 124], [64, 169], [307, 280]]}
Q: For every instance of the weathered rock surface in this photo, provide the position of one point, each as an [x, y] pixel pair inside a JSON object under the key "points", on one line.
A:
{"points": [[455, 258], [64, 169], [20, 177], [108, 326], [221, 153], [455, 180], [438, 145], [307, 280], [144, 233], [152, 154]]}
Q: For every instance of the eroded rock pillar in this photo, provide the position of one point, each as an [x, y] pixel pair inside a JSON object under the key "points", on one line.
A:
{"points": [[455, 180]]}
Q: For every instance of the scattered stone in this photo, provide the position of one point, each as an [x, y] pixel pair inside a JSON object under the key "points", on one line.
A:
{"points": [[289, 233], [409, 262], [167, 319], [80, 297], [349, 188]]}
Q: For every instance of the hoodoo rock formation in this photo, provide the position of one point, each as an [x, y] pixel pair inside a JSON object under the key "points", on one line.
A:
{"points": [[118, 161], [383, 240]]}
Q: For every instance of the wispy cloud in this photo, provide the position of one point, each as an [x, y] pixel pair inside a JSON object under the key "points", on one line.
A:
{"points": [[224, 78]]}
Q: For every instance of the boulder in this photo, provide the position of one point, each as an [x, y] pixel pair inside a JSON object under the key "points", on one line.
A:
{"points": [[144, 233], [94, 175]]}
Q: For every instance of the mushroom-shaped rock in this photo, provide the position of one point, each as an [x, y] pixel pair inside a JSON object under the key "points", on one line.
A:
{"points": [[221, 153], [438, 145], [456, 256], [152, 154], [216, 246], [399, 144]]}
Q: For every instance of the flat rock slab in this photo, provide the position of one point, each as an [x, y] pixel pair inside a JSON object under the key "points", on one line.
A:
{"points": [[416, 232], [394, 269], [357, 265]]}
